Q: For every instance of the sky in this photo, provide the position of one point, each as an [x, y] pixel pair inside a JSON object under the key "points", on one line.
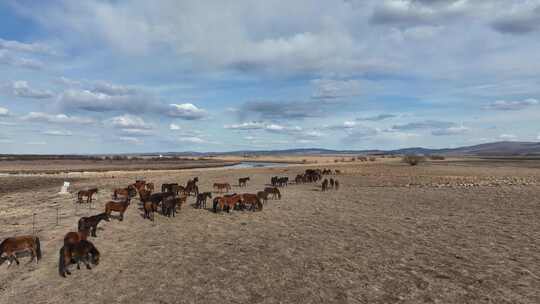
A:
{"points": [[101, 76]]}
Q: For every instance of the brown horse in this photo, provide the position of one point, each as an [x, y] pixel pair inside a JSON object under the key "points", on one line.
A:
{"points": [[242, 182], [228, 202], [149, 209], [252, 200], [90, 223], [14, 245], [150, 187], [117, 207], [201, 199], [222, 186], [130, 192], [88, 193], [191, 187], [76, 252], [274, 191]]}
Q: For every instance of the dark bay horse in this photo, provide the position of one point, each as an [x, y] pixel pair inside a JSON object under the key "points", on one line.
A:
{"points": [[19, 244], [242, 182], [90, 223], [75, 253], [263, 196], [191, 187], [86, 193], [119, 207], [201, 199]]}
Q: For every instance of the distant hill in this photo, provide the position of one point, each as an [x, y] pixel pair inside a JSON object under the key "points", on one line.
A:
{"points": [[502, 148]]}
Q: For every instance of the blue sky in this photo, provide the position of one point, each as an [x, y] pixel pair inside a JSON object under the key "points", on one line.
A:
{"points": [[139, 76]]}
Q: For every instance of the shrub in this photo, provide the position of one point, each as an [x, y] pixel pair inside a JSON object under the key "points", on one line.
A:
{"points": [[413, 160], [372, 158], [436, 157]]}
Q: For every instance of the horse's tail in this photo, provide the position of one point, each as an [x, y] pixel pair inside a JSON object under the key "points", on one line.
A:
{"points": [[38, 248], [62, 262]]}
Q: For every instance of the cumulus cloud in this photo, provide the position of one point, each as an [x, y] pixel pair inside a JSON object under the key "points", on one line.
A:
{"points": [[504, 105], [186, 111], [21, 88], [57, 118], [128, 121], [346, 125], [192, 140]]}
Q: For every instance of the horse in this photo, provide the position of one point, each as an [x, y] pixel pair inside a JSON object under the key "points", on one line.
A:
{"points": [[324, 185], [14, 245], [75, 253], [117, 207], [150, 187], [221, 186], [171, 187], [191, 187], [226, 201], [242, 182], [88, 193], [149, 208], [91, 222], [201, 199], [168, 208], [338, 172], [252, 200], [336, 184], [274, 191], [263, 196], [130, 192], [331, 183], [299, 179]]}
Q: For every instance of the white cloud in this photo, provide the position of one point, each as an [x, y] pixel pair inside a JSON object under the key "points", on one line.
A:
{"points": [[4, 111], [507, 136], [25, 47], [249, 125], [21, 88], [128, 121], [504, 105], [57, 118], [174, 127], [19, 61], [186, 111], [333, 89], [454, 130], [192, 139], [57, 133], [131, 140]]}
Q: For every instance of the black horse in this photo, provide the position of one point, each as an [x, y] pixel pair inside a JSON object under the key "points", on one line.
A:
{"points": [[90, 223], [201, 199]]}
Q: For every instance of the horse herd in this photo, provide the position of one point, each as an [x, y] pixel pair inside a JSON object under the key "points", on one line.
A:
{"points": [[78, 249]]}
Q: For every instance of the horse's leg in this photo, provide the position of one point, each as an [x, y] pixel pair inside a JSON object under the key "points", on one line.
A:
{"points": [[94, 228]]}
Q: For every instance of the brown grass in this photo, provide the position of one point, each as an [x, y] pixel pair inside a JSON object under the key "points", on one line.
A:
{"points": [[390, 235]]}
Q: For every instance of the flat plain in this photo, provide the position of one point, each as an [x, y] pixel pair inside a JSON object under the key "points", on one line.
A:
{"points": [[441, 232]]}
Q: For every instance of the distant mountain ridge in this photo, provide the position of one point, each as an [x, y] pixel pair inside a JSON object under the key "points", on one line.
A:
{"points": [[502, 148]]}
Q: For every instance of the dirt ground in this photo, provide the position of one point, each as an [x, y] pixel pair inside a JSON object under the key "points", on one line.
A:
{"points": [[437, 233]]}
